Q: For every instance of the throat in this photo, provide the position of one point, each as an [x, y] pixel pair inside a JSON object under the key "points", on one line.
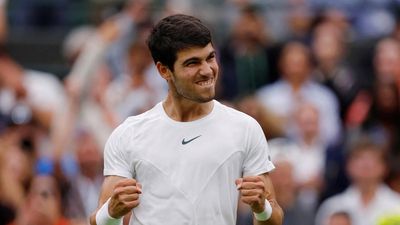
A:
{"points": [[182, 111]]}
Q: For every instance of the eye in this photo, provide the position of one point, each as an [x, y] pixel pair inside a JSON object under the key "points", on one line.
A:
{"points": [[191, 63], [211, 57]]}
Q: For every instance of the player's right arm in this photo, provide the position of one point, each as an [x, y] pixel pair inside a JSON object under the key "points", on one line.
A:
{"points": [[123, 194]]}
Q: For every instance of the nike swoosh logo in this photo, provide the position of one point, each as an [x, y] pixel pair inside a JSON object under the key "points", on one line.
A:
{"points": [[190, 140]]}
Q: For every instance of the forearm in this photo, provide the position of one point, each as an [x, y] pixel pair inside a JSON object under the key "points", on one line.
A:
{"points": [[83, 70], [92, 219], [276, 216]]}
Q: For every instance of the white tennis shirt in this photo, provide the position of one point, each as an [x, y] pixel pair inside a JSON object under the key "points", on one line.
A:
{"points": [[187, 169]]}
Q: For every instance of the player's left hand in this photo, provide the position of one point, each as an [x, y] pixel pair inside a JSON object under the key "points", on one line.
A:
{"points": [[253, 192]]}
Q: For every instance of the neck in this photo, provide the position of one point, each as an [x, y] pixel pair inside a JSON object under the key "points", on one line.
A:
{"points": [[367, 192], [309, 139], [296, 86], [328, 67], [184, 110]]}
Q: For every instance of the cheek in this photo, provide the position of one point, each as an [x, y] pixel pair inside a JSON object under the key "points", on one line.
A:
{"points": [[215, 67]]}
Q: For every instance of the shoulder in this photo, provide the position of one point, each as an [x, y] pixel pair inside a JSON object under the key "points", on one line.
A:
{"points": [[269, 89], [389, 194], [321, 90]]}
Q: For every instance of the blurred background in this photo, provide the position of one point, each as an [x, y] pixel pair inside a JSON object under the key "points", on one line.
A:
{"points": [[321, 77]]}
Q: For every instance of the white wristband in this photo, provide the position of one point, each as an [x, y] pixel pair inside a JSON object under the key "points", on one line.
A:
{"points": [[266, 214], [104, 218]]}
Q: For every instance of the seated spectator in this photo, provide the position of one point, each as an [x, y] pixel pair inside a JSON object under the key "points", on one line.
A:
{"points": [[294, 87], [367, 199], [309, 172]]}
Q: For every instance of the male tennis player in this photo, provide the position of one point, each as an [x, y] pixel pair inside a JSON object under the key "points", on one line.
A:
{"points": [[186, 160]]}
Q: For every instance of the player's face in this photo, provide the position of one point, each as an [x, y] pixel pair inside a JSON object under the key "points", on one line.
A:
{"points": [[195, 74]]}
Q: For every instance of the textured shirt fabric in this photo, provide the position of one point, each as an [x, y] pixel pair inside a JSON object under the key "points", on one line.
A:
{"points": [[187, 169]]}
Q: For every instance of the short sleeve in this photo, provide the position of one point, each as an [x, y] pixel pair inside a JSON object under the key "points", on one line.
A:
{"points": [[115, 160], [257, 160]]}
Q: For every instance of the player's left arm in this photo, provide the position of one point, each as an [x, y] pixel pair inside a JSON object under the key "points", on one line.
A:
{"points": [[255, 191]]}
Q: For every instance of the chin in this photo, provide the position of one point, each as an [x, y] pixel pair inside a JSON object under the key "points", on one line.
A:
{"points": [[206, 99]]}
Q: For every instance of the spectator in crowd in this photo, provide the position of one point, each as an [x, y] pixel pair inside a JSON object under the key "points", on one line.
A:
{"points": [[133, 22], [294, 87], [299, 21], [17, 160], [23, 97], [309, 171], [134, 93], [43, 204], [85, 85], [331, 68], [83, 187], [386, 60], [297, 210], [340, 20], [367, 199], [90, 76], [245, 58]]}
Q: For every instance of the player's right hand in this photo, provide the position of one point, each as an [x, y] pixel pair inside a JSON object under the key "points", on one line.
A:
{"points": [[125, 197]]}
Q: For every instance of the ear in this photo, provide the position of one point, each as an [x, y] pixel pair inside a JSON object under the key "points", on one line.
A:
{"points": [[164, 71]]}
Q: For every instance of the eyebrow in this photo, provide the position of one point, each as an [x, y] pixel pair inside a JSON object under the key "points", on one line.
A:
{"points": [[187, 61]]}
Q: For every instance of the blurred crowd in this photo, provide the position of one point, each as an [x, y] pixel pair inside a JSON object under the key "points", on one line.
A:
{"points": [[321, 77]]}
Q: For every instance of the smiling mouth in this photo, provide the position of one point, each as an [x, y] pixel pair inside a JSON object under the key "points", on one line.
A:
{"points": [[205, 82]]}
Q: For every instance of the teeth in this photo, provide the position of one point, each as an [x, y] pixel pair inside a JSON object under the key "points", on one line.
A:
{"points": [[206, 82]]}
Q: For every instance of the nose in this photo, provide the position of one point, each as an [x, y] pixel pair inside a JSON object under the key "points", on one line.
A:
{"points": [[206, 69]]}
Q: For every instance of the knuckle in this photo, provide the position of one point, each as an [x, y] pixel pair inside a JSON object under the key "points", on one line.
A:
{"points": [[135, 196], [116, 191]]}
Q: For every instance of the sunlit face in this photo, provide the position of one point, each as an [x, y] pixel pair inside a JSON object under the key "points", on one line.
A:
{"points": [[195, 74]]}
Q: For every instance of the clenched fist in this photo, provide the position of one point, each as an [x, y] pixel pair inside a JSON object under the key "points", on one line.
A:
{"points": [[253, 192], [124, 198]]}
